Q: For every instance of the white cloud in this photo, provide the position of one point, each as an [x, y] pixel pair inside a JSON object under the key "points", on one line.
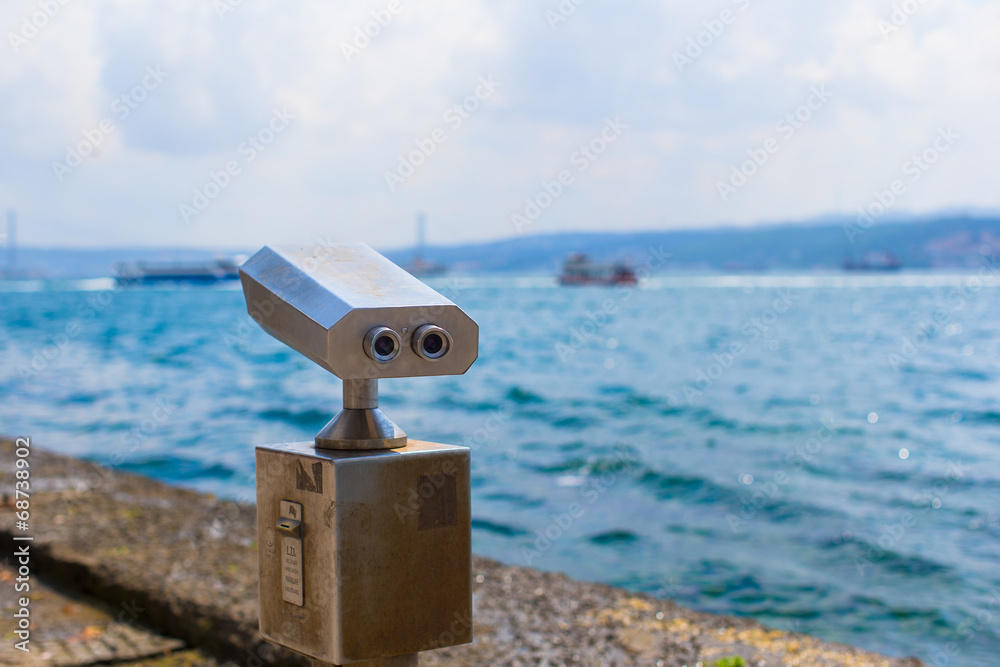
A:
{"points": [[325, 175]]}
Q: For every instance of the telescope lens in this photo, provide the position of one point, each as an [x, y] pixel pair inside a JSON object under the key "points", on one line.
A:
{"points": [[431, 342], [382, 344]]}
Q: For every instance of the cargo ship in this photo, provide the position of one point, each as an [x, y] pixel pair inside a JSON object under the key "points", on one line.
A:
{"points": [[581, 270], [203, 273]]}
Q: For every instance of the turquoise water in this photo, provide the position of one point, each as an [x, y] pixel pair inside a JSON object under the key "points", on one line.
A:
{"points": [[819, 452]]}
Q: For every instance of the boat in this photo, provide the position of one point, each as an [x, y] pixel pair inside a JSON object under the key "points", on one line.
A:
{"points": [[145, 273], [579, 269], [874, 261], [422, 268]]}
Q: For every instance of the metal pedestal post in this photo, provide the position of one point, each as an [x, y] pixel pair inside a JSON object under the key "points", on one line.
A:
{"points": [[361, 425], [410, 660], [364, 536]]}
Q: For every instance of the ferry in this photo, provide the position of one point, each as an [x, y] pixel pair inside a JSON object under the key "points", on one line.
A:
{"points": [[422, 268], [145, 273], [580, 270]]}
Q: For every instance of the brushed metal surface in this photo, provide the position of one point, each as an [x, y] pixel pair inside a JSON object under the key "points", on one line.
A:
{"points": [[398, 661], [360, 394], [386, 544], [333, 303], [354, 429], [323, 300]]}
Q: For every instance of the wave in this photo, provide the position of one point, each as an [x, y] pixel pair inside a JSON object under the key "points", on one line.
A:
{"points": [[969, 374], [522, 396], [596, 464], [984, 417], [178, 469], [575, 423], [47, 285], [613, 537], [515, 499], [497, 528], [310, 417], [690, 487], [869, 557]]}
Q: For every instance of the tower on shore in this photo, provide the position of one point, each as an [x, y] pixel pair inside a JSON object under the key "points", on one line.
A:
{"points": [[421, 267], [11, 241], [418, 257]]}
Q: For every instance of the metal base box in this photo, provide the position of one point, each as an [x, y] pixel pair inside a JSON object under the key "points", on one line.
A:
{"points": [[364, 554]]}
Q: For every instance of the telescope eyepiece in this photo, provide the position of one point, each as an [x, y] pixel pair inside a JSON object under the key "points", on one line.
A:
{"points": [[431, 342], [382, 344]]}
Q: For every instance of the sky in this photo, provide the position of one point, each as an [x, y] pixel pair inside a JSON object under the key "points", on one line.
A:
{"points": [[236, 123]]}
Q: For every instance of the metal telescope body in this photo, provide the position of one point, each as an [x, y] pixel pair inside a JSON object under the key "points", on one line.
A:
{"points": [[364, 535]]}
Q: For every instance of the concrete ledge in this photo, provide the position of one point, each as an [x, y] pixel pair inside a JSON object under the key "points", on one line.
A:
{"points": [[187, 564]]}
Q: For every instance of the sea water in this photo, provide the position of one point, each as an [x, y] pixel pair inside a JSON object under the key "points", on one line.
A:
{"points": [[821, 453]]}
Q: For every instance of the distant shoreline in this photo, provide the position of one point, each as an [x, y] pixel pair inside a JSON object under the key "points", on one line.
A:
{"points": [[938, 242]]}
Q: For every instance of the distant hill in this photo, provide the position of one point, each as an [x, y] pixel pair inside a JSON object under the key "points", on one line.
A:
{"points": [[940, 242]]}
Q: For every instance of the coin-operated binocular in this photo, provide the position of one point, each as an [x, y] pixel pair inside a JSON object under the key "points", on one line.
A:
{"points": [[364, 536]]}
